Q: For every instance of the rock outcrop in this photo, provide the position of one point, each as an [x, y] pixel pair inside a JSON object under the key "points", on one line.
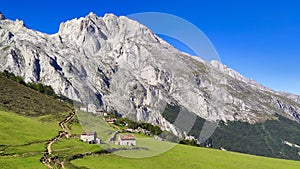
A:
{"points": [[2, 17]]}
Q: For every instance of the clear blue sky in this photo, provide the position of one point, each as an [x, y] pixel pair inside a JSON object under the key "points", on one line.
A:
{"points": [[260, 39]]}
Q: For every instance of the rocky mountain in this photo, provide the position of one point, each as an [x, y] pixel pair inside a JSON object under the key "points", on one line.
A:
{"points": [[291, 96], [120, 65]]}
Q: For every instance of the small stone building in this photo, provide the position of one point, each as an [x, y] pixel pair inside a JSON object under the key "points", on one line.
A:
{"points": [[89, 137], [111, 120], [126, 140]]}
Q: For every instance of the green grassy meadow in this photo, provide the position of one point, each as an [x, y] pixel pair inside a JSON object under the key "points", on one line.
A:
{"points": [[17, 153], [154, 147], [69, 147], [91, 123], [18, 130], [187, 157], [31, 162], [23, 140]]}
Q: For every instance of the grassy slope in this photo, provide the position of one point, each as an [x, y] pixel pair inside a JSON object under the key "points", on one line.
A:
{"points": [[23, 140], [91, 123], [17, 130], [154, 147], [68, 147], [188, 157], [21, 162], [27, 120], [23, 100], [183, 156]]}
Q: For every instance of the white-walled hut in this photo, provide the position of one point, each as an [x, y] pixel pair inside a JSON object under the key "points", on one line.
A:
{"points": [[89, 137], [126, 140]]}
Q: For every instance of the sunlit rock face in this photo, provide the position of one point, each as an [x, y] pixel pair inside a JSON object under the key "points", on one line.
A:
{"points": [[118, 64]]}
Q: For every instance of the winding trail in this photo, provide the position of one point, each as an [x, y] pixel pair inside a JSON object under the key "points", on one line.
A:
{"points": [[46, 159]]}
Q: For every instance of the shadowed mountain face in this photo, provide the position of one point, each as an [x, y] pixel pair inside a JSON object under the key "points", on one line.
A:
{"points": [[2, 17], [120, 65]]}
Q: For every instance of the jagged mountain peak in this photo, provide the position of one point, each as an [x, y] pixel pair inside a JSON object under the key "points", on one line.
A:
{"points": [[92, 30], [110, 16], [109, 20], [92, 14]]}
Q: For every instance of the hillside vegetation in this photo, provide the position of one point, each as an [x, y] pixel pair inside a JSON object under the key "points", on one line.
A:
{"points": [[263, 139], [23, 100]]}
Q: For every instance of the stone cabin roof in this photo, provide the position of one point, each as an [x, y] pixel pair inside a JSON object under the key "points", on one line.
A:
{"points": [[88, 133], [127, 137]]}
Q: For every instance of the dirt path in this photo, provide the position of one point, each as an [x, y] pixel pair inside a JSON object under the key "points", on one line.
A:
{"points": [[46, 159], [113, 137]]}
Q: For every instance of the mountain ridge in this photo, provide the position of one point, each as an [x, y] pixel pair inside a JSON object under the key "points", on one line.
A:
{"points": [[88, 58]]}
